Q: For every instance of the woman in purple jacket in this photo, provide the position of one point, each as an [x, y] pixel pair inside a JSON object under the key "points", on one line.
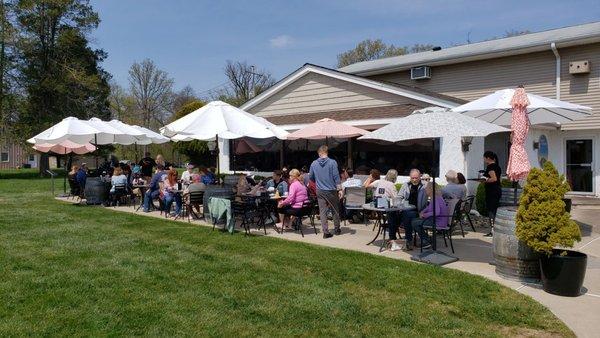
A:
{"points": [[426, 217]]}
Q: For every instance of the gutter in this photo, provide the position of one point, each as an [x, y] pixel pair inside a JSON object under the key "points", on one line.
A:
{"points": [[557, 56]]}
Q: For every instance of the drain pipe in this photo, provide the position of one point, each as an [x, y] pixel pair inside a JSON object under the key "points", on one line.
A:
{"points": [[557, 56]]}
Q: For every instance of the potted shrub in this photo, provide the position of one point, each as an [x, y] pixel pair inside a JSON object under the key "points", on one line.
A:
{"points": [[544, 225]]}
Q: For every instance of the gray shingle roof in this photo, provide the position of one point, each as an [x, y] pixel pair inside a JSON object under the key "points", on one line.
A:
{"points": [[532, 42]]}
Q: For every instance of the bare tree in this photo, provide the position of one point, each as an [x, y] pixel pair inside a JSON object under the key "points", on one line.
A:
{"points": [[245, 81], [183, 97], [152, 90]]}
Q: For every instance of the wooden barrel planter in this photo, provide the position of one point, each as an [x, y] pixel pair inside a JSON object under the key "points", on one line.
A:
{"points": [[96, 190], [514, 260]]}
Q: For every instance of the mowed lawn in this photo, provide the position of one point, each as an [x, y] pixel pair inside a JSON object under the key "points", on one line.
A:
{"points": [[79, 270]]}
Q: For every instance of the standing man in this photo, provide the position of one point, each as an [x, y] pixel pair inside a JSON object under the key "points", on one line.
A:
{"points": [[324, 171], [147, 164]]}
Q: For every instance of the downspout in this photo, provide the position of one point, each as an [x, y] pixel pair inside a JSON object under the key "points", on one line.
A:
{"points": [[557, 56]]}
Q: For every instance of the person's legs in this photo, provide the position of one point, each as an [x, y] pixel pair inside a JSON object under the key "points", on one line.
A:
{"points": [[168, 202], [334, 200], [147, 200], [406, 218], [178, 204], [322, 201], [392, 225], [417, 225]]}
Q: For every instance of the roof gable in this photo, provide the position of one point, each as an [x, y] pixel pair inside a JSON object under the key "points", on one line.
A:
{"points": [[406, 92]]}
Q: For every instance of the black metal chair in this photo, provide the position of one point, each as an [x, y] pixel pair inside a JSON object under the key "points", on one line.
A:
{"points": [[447, 232], [244, 212], [354, 198], [194, 199], [307, 211], [121, 194], [467, 205], [74, 188]]}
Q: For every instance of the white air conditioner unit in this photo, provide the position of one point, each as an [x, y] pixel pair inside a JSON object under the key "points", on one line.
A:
{"points": [[421, 72]]}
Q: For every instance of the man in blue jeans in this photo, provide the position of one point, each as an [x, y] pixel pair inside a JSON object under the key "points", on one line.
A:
{"points": [[154, 188]]}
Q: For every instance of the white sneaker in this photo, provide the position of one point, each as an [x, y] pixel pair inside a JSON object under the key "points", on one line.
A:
{"points": [[395, 246]]}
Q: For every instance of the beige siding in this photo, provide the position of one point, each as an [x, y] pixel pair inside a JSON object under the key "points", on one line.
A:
{"points": [[317, 93], [536, 71]]}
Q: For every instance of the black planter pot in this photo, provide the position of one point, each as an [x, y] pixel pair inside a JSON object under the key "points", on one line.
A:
{"points": [[563, 275], [568, 204]]}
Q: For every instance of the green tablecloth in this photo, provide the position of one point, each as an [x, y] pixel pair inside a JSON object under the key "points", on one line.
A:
{"points": [[219, 208]]}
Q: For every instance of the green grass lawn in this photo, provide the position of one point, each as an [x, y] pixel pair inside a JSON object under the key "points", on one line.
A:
{"points": [[79, 270]]}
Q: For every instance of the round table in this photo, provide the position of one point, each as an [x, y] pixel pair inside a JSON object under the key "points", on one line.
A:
{"points": [[382, 220]]}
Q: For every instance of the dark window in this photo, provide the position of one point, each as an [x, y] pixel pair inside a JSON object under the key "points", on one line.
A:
{"points": [[3, 157]]}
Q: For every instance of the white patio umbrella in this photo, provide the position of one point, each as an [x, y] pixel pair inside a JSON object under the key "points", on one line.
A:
{"points": [[218, 119], [151, 137], [70, 128], [109, 134], [495, 108], [433, 123]]}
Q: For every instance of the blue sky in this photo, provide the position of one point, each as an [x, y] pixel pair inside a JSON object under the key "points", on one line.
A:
{"points": [[192, 39]]}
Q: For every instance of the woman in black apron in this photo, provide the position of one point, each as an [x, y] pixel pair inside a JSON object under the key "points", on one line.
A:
{"points": [[493, 190]]}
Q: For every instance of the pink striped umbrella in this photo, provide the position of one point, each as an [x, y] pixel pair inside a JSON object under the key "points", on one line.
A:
{"points": [[65, 147], [518, 162], [326, 128]]}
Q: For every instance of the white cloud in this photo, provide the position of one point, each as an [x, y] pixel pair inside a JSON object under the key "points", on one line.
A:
{"points": [[281, 41]]}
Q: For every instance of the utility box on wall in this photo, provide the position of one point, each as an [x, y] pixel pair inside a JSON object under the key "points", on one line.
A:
{"points": [[579, 67]]}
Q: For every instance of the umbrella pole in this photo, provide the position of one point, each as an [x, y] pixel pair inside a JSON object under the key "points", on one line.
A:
{"points": [[96, 146], [136, 152], [233, 144], [433, 256], [218, 151]]}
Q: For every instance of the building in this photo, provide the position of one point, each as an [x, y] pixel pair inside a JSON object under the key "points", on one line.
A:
{"points": [[13, 156], [561, 63]]}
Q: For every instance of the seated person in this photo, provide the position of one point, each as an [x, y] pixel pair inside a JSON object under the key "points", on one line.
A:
{"points": [[195, 186], [169, 192], [72, 176], [242, 187], [374, 176], [277, 183], [348, 181], [426, 218], [186, 177], [206, 176], [412, 191], [291, 206], [386, 188], [454, 191], [81, 177], [154, 187], [118, 179]]}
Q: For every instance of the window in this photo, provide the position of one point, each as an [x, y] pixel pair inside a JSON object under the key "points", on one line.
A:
{"points": [[31, 158], [4, 156]]}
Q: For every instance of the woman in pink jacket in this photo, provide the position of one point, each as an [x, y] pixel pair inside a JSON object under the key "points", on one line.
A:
{"points": [[297, 196]]}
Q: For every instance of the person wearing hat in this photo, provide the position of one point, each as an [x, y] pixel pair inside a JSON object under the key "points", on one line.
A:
{"points": [[186, 177]]}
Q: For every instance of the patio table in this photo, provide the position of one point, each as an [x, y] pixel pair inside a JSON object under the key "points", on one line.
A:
{"points": [[382, 220]]}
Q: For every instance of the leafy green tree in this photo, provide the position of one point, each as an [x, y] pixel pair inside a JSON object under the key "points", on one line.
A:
{"points": [[195, 151], [59, 71], [542, 221]]}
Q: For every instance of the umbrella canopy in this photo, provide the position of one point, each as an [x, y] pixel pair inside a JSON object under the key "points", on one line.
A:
{"points": [[326, 128], [65, 147], [150, 136], [518, 162], [109, 134], [432, 122], [217, 119], [127, 129], [70, 128], [496, 108]]}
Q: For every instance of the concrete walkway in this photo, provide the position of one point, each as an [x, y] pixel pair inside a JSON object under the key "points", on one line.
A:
{"points": [[581, 314]]}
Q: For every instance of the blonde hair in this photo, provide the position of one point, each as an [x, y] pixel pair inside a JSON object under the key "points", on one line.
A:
{"points": [[74, 169], [294, 173], [391, 175], [438, 189]]}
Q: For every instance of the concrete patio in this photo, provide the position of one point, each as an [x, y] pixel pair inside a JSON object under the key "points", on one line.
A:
{"points": [[475, 254]]}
